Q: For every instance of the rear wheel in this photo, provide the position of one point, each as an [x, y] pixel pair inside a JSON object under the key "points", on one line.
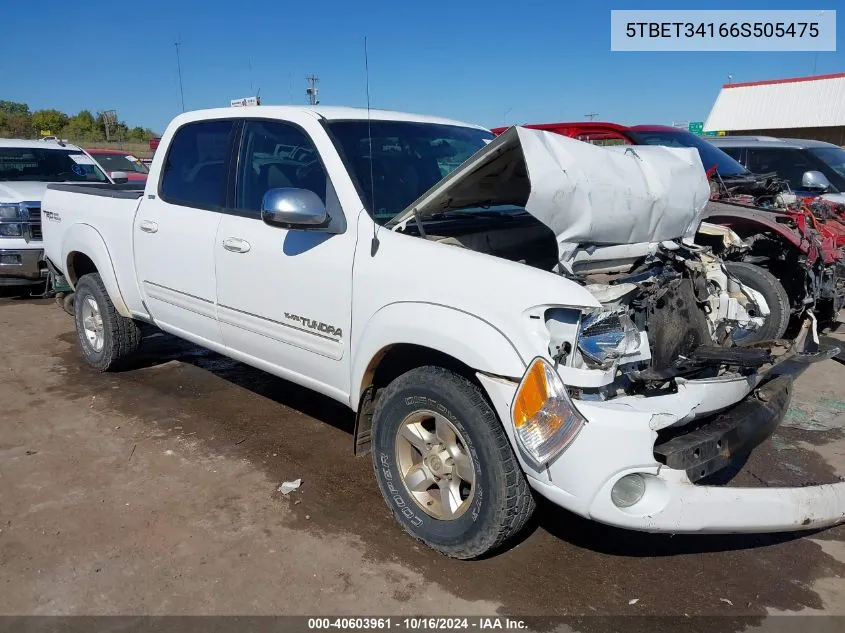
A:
{"points": [[65, 301], [777, 300], [107, 339], [445, 466]]}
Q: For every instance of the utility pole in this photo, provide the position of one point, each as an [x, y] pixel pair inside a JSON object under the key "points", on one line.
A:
{"points": [[312, 90], [591, 115], [179, 70], [109, 119]]}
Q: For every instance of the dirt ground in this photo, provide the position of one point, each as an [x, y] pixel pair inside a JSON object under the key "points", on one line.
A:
{"points": [[154, 491]]}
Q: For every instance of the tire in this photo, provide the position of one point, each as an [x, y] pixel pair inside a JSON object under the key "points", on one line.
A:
{"points": [[494, 508], [773, 292], [65, 301], [120, 337]]}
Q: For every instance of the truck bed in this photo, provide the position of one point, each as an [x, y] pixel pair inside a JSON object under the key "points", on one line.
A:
{"points": [[96, 219]]}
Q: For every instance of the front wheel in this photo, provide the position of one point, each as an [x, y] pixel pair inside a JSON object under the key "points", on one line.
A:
{"points": [[107, 339], [773, 292], [445, 466]]}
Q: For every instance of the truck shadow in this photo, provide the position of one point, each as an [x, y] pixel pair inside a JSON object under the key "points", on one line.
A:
{"points": [[159, 348], [606, 539]]}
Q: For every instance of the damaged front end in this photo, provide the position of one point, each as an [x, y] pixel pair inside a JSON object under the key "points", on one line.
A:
{"points": [[676, 313], [630, 401]]}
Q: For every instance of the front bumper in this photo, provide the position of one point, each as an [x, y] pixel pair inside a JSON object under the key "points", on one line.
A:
{"points": [[621, 439], [25, 266], [707, 449]]}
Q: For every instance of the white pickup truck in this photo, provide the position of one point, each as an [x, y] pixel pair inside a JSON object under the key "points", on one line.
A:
{"points": [[26, 167], [508, 317]]}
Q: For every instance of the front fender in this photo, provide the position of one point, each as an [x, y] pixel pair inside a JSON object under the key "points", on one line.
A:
{"points": [[85, 239], [463, 336], [744, 221]]}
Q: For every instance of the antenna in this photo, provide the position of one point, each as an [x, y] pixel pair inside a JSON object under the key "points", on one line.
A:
{"points": [[374, 243], [179, 69], [591, 115]]}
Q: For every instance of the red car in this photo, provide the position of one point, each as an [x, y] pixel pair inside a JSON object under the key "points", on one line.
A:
{"points": [[112, 160]]}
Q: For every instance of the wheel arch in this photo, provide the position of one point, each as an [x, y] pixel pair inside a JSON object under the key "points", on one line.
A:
{"points": [[404, 336], [86, 252]]}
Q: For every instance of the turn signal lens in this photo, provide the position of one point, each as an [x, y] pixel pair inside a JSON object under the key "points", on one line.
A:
{"points": [[543, 415]]}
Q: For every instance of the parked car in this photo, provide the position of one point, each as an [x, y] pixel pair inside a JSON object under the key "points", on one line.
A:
{"points": [[117, 160], [604, 133], [810, 167], [26, 167], [505, 331], [801, 251]]}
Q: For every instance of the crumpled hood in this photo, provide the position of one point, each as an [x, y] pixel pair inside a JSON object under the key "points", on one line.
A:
{"points": [[22, 191], [586, 194]]}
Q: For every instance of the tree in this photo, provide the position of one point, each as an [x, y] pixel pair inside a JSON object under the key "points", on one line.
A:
{"points": [[49, 120], [15, 125], [14, 108], [83, 127], [16, 121]]}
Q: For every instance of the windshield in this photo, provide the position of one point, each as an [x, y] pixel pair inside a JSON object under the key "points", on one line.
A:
{"points": [[120, 162], [48, 165], [834, 158], [711, 156], [407, 158]]}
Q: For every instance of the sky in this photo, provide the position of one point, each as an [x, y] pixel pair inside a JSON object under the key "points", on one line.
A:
{"points": [[494, 62]]}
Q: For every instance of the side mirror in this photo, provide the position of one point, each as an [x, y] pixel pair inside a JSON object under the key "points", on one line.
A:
{"points": [[815, 181], [119, 177], [293, 209]]}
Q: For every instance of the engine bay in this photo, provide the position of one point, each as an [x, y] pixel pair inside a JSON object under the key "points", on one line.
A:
{"points": [[668, 309]]}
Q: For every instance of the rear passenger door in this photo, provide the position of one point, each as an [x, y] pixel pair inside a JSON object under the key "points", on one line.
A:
{"points": [[175, 228]]}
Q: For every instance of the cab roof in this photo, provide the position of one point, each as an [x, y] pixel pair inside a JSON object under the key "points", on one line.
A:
{"points": [[329, 113], [767, 141], [29, 143]]}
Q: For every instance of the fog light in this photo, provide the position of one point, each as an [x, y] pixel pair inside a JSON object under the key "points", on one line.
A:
{"points": [[11, 230], [10, 260], [628, 490]]}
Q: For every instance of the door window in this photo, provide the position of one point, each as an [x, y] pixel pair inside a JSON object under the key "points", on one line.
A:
{"points": [[733, 152], [276, 155], [789, 164], [195, 169]]}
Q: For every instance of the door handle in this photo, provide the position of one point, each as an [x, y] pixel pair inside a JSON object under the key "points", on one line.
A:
{"points": [[236, 245], [148, 226]]}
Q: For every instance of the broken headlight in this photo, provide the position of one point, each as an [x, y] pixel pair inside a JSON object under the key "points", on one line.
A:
{"points": [[605, 337]]}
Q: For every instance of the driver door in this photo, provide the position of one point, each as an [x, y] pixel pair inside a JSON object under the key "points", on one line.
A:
{"points": [[285, 295]]}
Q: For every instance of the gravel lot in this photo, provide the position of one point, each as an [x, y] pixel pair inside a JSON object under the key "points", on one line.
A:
{"points": [[154, 491]]}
